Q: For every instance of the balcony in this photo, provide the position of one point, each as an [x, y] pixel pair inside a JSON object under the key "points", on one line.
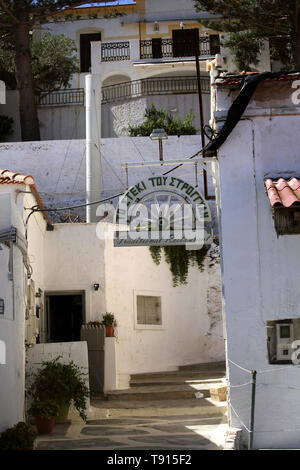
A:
{"points": [[158, 48], [115, 51], [68, 97], [127, 90], [153, 86]]}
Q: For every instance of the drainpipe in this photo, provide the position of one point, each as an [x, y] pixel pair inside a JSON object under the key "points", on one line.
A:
{"points": [[93, 151]]}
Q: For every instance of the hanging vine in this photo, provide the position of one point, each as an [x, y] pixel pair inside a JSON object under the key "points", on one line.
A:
{"points": [[179, 260]]}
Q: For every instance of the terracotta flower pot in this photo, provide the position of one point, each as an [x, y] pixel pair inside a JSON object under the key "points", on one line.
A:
{"points": [[44, 426], [109, 331]]}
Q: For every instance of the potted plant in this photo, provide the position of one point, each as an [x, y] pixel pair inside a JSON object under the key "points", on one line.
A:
{"points": [[44, 413], [19, 437], [109, 322], [62, 384]]}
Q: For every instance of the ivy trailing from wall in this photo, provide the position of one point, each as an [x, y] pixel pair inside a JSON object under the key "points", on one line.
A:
{"points": [[179, 260]]}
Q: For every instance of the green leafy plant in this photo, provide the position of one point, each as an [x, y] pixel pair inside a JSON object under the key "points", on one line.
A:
{"points": [[179, 260], [252, 21], [97, 324], [6, 126], [19, 437], [163, 119], [61, 383], [109, 319], [53, 63], [44, 409]]}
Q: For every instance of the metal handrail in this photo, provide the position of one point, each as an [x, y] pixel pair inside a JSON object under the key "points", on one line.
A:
{"points": [[112, 51], [160, 48], [127, 90], [153, 86], [69, 96]]}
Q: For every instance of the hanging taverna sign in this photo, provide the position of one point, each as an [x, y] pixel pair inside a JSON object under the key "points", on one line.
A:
{"points": [[161, 211]]}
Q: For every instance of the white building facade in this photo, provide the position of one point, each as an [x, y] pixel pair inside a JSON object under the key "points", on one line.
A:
{"points": [[260, 257]]}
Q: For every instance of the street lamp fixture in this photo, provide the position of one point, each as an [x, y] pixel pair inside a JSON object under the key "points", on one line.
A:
{"points": [[160, 135]]}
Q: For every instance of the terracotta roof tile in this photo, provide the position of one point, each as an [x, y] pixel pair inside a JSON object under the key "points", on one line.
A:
{"points": [[282, 192], [9, 177], [237, 80]]}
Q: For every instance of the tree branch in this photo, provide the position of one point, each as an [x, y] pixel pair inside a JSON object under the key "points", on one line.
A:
{"points": [[9, 12]]}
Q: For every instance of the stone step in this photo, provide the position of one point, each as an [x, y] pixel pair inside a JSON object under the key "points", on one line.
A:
{"points": [[210, 366], [204, 407], [180, 375], [164, 392], [173, 380]]}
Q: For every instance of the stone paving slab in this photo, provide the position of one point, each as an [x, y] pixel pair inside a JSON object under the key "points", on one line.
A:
{"points": [[112, 431]]}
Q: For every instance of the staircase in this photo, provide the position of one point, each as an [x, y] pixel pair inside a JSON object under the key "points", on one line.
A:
{"points": [[185, 391]]}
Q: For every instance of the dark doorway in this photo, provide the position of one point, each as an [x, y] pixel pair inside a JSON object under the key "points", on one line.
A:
{"points": [[184, 42], [156, 48], [85, 50], [65, 315]]}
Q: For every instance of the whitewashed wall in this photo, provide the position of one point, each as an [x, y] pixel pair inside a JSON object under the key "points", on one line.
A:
{"points": [[75, 351], [192, 333], [261, 271], [186, 336], [59, 166], [74, 261], [12, 323]]}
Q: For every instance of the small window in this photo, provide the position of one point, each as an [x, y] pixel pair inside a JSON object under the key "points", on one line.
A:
{"points": [[85, 50], [148, 310], [1, 306]]}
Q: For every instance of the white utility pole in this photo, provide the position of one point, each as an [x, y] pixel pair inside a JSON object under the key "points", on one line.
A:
{"points": [[93, 150]]}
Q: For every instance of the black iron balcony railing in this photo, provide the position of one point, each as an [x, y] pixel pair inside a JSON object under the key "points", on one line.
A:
{"points": [[71, 96], [127, 90], [158, 48], [153, 86], [112, 51]]}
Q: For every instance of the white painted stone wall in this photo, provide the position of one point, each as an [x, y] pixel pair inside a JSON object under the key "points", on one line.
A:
{"points": [[75, 258], [260, 270], [12, 323], [188, 334], [59, 166], [75, 351]]}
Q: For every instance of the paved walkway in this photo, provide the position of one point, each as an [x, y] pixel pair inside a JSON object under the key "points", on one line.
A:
{"points": [[188, 431]]}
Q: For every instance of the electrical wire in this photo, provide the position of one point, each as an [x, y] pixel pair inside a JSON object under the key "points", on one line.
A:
{"points": [[57, 209]]}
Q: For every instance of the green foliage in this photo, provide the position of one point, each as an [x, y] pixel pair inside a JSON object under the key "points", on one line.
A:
{"points": [[108, 319], [53, 62], [179, 260], [97, 324], [6, 126], [19, 437], [274, 20], [60, 383], [162, 119], [245, 49], [52, 59], [44, 409]]}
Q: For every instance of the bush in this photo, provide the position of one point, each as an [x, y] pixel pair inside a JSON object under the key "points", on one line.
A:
{"points": [[162, 119], [19, 437], [6, 126], [61, 383], [44, 410]]}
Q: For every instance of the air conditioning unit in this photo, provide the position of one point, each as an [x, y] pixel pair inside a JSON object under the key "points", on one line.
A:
{"points": [[284, 339]]}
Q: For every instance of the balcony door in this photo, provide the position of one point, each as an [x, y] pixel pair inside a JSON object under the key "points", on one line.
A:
{"points": [[184, 41]]}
